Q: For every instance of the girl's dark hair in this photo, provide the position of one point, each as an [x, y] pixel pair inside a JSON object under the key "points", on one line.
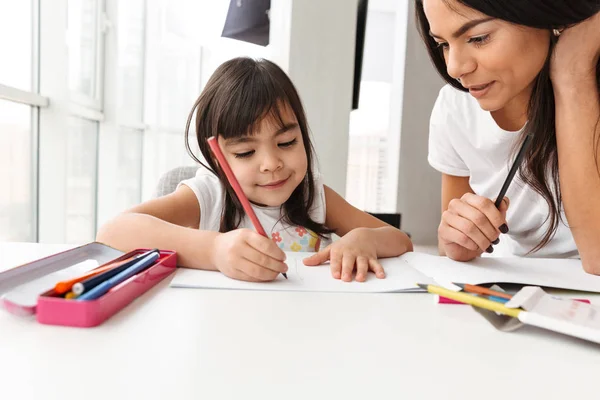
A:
{"points": [[237, 97], [540, 165]]}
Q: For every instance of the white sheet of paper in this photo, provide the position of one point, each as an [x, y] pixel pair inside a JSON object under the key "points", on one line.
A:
{"points": [[550, 272], [399, 277], [402, 273]]}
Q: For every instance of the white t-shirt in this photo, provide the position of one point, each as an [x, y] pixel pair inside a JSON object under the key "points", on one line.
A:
{"points": [[464, 140], [211, 196]]}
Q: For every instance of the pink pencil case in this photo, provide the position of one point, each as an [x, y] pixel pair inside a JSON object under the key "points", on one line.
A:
{"points": [[52, 309]]}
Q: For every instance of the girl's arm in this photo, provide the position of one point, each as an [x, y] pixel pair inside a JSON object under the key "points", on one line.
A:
{"points": [[577, 102], [171, 222], [343, 218], [168, 222]]}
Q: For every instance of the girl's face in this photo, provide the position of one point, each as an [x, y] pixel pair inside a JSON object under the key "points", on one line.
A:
{"points": [[496, 60], [271, 163]]}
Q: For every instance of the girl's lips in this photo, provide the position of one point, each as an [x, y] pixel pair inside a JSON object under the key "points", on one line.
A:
{"points": [[274, 185]]}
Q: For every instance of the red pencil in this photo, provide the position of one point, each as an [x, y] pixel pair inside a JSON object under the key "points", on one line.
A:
{"points": [[214, 146]]}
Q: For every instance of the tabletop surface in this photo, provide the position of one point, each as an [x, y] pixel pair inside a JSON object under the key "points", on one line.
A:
{"points": [[218, 344]]}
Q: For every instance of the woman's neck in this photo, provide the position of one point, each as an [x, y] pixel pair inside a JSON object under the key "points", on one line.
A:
{"points": [[513, 116]]}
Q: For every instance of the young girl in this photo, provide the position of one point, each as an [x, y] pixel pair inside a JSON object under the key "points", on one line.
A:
{"points": [[254, 111], [516, 68]]}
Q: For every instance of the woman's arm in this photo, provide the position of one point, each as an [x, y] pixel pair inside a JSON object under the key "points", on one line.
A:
{"points": [[578, 134], [169, 222]]}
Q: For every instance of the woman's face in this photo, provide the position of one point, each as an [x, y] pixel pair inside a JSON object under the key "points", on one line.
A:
{"points": [[496, 60]]}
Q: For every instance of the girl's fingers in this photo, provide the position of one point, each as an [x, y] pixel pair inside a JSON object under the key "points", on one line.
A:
{"points": [[362, 268], [256, 257], [335, 261], [376, 267], [348, 261], [318, 258], [255, 271]]}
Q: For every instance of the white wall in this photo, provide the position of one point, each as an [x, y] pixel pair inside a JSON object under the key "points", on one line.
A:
{"points": [[418, 184], [313, 41]]}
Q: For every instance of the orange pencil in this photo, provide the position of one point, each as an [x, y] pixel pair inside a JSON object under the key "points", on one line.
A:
{"points": [[481, 290], [65, 286]]}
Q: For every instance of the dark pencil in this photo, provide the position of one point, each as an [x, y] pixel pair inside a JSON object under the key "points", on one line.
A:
{"points": [[513, 170]]}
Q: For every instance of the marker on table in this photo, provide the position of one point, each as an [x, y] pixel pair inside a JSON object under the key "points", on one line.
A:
{"points": [[214, 146], [105, 286]]}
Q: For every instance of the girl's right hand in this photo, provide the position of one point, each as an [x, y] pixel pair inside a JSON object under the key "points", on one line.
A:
{"points": [[471, 225], [246, 255]]}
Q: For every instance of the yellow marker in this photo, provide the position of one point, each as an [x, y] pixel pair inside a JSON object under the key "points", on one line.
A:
{"points": [[472, 300], [70, 295]]}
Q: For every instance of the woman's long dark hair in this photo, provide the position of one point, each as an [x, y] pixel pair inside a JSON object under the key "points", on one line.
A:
{"points": [[237, 97], [540, 166]]}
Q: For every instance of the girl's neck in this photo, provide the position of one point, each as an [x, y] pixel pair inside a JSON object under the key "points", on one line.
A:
{"points": [[513, 116]]}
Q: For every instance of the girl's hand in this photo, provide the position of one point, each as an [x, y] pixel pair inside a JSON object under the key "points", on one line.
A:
{"points": [[356, 250], [577, 52], [471, 225], [246, 255]]}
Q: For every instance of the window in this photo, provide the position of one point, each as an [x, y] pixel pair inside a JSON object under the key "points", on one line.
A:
{"points": [[16, 172], [83, 42], [16, 44], [375, 126], [82, 150]]}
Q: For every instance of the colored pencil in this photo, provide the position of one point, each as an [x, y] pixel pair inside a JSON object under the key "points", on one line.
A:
{"points": [[472, 300], [214, 146], [65, 286], [482, 290]]}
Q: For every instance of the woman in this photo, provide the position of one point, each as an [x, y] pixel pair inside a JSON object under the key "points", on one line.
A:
{"points": [[516, 68]]}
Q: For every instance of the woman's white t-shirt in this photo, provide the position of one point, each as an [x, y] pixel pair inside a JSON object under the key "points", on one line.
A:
{"points": [[211, 199], [464, 140]]}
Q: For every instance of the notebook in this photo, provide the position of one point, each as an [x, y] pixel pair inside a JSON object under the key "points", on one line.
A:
{"points": [[402, 274]]}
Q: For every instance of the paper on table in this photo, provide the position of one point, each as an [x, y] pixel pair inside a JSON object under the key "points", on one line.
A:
{"points": [[548, 272], [400, 277], [403, 272]]}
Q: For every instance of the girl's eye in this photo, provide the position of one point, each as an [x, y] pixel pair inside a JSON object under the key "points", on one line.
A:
{"points": [[479, 40], [288, 144], [442, 45], [244, 155]]}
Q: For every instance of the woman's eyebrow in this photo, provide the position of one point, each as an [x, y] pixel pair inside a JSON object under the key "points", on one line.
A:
{"points": [[463, 29]]}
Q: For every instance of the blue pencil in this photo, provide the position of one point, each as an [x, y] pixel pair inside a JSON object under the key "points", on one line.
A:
{"points": [[105, 286], [498, 299]]}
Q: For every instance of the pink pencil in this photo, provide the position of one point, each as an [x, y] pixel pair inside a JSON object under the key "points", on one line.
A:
{"points": [[214, 146]]}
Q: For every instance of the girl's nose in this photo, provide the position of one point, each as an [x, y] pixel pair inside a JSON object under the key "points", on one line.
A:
{"points": [[271, 162]]}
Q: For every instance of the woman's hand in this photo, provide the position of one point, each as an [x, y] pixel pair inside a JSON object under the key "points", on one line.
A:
{"points": [[357, 250], [577, 52], [471, 225], [248, 256]]}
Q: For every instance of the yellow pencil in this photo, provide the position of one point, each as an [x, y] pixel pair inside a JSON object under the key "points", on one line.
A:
{"points": [[473, 300]]}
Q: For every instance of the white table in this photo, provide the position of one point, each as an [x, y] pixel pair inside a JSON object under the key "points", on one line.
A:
{"points": [[214, 344]]}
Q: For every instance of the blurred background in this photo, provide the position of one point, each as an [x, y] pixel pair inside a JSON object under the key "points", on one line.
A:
{"points": [[94, 97]]}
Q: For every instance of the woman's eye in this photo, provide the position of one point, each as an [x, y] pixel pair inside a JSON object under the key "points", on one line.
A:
{"points": [[244, 155], [288, 144], [442, 45], [479, 40]]}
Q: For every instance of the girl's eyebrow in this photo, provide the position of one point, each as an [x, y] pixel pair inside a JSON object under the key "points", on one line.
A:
{"points": [[465, 28], [249, 139]]}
